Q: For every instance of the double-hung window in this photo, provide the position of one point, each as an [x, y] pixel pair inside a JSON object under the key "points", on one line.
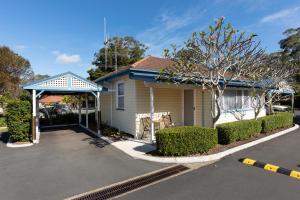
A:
{"points": [[120, 95]]}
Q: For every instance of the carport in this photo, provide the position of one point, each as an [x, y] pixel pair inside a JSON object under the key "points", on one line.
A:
{"points": [[64, 84]]}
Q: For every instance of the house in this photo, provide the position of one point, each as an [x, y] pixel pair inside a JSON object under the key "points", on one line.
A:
{"points": [[133, 92], [50, 99]]}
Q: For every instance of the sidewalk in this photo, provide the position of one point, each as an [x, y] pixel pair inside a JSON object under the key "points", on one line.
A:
{"points": [[138, 149]]}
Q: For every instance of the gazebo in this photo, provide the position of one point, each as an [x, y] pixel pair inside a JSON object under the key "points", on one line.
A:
{"points": [[64, 84]]}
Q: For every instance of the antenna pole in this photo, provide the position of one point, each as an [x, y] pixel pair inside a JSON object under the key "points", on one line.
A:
{"points": [[116, 55], [105, 43]]}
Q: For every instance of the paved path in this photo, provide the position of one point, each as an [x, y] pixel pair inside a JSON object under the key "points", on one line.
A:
{"points": [[229, 179], [66, 162]]}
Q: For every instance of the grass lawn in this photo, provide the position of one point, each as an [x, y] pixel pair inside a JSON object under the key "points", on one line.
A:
{"points": [[3, 129]]}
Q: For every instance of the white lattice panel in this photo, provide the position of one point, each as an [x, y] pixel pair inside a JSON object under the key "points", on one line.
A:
{"points": [[57, 83], [77, 83]]}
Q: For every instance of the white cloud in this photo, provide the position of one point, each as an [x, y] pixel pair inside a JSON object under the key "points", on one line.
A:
{"points": [[281, 15], [19, 47], [169, 29], [67, 59]]}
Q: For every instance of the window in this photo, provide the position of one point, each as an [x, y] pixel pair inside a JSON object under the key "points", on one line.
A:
{"points": [[236, 100], [120, 96]]}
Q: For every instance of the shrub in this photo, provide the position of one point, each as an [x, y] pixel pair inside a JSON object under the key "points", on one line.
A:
{"points": [[58, 119], [276, 121], [2, 121], [18, 119], [236, 131], [185, 140]]}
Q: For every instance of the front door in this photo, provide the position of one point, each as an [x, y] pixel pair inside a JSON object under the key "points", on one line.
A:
{"points": [[188, 107]]}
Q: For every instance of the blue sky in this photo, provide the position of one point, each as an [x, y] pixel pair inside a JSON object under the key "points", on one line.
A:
{"points": [[62, 35]]}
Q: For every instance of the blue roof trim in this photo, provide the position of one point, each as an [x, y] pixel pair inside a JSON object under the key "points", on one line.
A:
{"points": [[151, 76]]}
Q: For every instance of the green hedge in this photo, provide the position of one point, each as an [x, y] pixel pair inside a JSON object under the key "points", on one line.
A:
{"points": [[59, 119], [240, 130], [185, 140], [18, 119], [276, 121], [2, 122]]}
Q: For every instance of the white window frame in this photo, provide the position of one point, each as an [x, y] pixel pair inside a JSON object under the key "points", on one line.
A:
{"points": [[117, 95], [243, 101]]}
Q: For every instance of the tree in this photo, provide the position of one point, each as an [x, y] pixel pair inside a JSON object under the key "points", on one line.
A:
{"points": [[268, 80], [213, 59], [13, 69], [121, 51], [291, 44]]}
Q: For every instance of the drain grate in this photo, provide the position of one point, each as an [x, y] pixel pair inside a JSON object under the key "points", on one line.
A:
{"points": [[118, 189]]}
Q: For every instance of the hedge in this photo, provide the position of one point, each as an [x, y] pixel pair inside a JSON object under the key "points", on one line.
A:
{"points": [[185, 140], [2, 121], [18, 119], [240, 130], [276, 121], [58, 119]]}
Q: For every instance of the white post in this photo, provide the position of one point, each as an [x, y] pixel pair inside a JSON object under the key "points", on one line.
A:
{"points": [[151, 115], [98, 113], [95, 108], [293, 102], [86, 111], [79, 110], [37, 123], [33, 120]]}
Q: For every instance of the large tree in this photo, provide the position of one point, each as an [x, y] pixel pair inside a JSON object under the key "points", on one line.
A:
{"points": [[13, 69], [120, 51], [291, 44], [212, 59]]}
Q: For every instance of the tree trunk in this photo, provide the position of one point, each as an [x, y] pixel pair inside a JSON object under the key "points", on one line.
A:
{"points": [[215, 102]]}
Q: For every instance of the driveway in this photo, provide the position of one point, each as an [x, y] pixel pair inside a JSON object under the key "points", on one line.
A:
{"points": [[66, 162], [229, 179]]}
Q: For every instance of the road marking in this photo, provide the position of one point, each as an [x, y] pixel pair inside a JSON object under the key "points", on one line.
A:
{"points": [[271, 167]]}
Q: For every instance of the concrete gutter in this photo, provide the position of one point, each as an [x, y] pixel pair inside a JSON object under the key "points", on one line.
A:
{"points": [[138, 150]]}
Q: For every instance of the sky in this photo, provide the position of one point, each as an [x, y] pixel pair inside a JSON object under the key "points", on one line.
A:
{"points": [[57, 36]]}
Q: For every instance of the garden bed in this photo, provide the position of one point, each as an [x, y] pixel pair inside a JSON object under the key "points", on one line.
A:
{"points": [[221, 148]]}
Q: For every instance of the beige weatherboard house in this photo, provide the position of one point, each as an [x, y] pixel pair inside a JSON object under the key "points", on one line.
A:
{"points": [[134, 94]]}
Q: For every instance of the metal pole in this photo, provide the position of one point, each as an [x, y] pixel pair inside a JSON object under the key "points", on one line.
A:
{"points": [[79, 110], [151, 115], [33, 120], [86, 111]]}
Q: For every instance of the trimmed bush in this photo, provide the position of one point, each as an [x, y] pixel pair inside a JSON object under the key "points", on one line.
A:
{"points": [[236, 131], [276, 121], [2, 122], [185, 140], [59, 119], [18, 119]]}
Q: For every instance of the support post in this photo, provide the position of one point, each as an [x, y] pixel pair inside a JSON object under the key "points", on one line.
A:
{"points": [[96, 108], [86, 111], [33, 120], [151, 115], [292, 100], [98, 114], [79, 110]]}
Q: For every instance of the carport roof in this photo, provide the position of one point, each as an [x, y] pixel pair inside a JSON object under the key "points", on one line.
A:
{"points": [[64, 83]]}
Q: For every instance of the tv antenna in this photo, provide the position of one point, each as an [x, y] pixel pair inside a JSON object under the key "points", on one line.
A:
{"points": [[105, 43]]}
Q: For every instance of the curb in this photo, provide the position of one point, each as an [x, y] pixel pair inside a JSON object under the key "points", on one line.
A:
{"points": [[271, 168], [12, 145], [201, 159]]}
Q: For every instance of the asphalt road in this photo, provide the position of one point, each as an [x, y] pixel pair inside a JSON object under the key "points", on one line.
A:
{"points": [[65, 163], [229, 179]]}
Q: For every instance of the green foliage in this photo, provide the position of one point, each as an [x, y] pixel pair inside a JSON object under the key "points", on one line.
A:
{"points": [[276, 121], [291, 44], [127, 49], [18, 117], [13, 69], [185, 140], [68, 118], [236, 131], [2, 121]]}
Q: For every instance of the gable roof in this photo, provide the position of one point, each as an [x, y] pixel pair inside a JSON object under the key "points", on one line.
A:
{"points": [[67, 81]]}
